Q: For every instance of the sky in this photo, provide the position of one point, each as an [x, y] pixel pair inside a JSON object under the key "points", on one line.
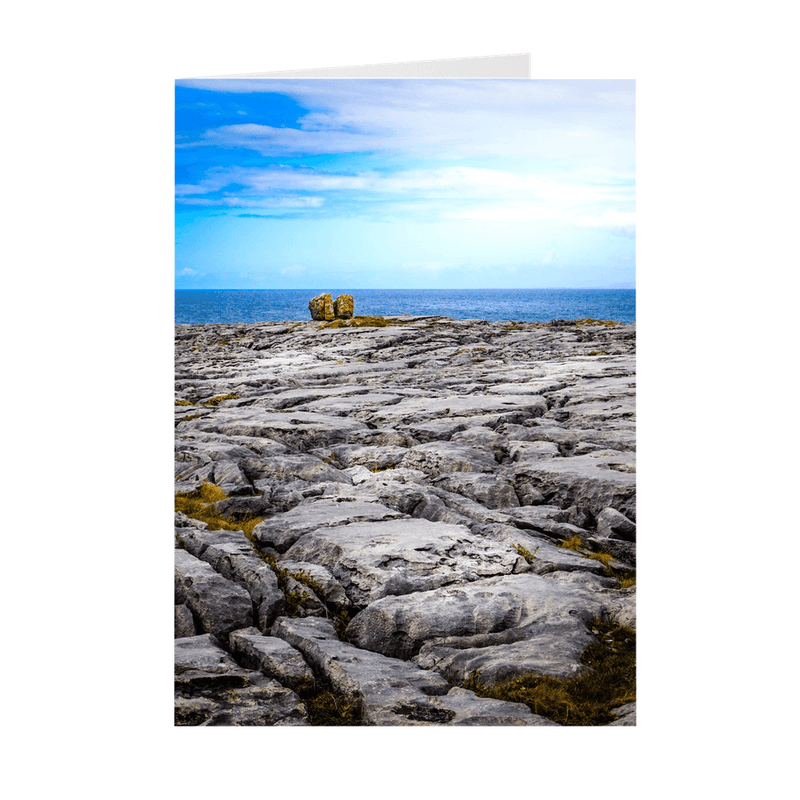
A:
{"points": [[404, 183]]}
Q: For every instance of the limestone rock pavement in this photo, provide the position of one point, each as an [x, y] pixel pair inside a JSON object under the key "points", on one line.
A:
{"points": [[406, 504]]}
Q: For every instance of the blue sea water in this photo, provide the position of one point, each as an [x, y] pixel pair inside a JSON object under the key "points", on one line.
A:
{"points": [[199, 307]]}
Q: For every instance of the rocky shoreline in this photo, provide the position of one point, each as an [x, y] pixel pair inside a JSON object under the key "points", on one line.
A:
{"points": [[379, 518]]}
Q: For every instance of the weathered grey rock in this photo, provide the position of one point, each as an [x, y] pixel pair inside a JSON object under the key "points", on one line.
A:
{"points": [[373, 457], [622, 609], [592, 414], [283, 530], [584, 581], [374, 559], [590, 482], [612, 524], [552, 649], [526, 451], [260, 702], [399, 626], [626, 715], [212, 689], [471, 710], [239, 563], [436, 430], [489, 490], [196, 540], [294, 429], [309, 605], [184, 623], [203, 654], [219, 605], [545, 519], [384, 437], [358, 474], [434, 509], [361, 404], [238, 508], [547, 557], [427, 408], [190, 476], [483, 438], [622, 551], [398, 489], [278, 469], [571, 441], [527, 493], [321, 307], [435, 458], [231, 479], [330, 590], [291, 398], [272, 656], [390, 691], [182, 521], [343, 306]]}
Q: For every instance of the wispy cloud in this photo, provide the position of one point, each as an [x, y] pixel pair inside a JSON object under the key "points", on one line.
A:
{"points": [[471, 193], [444, 181], [556, 120], [237, 201], [270, 141], [295, 269], [623, 221]]}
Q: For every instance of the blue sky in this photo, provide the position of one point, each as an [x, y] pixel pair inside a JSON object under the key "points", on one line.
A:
{"points": [[315, 183]]}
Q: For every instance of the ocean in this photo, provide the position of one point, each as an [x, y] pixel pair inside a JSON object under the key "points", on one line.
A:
{"points": [[200, 307]]}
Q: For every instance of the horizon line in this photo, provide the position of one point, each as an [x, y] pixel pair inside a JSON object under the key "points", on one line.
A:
{"points": [[416, 289]]}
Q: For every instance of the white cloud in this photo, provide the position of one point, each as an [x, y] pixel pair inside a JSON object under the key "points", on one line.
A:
{"points": [[591, 122], [586, 217], [269, 141], [549, 257], [295, 269], [234, 201], [540, 196], [187, 272]]}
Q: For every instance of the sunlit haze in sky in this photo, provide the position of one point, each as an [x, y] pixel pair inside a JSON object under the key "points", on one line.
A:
{"points": [[315, 183]]}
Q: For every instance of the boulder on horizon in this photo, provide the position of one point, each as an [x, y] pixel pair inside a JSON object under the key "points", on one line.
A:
{"points": [[343, 306], [321, 307]]}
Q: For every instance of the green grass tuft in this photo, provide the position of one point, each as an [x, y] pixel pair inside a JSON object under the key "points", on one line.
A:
{"points": [[295, 601], [627, 578], [565, 323], [573, 543], [197, 504], [326, 706], [608, 323], [525, 553], [586, 699], [215, 401], [603, 558]]}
